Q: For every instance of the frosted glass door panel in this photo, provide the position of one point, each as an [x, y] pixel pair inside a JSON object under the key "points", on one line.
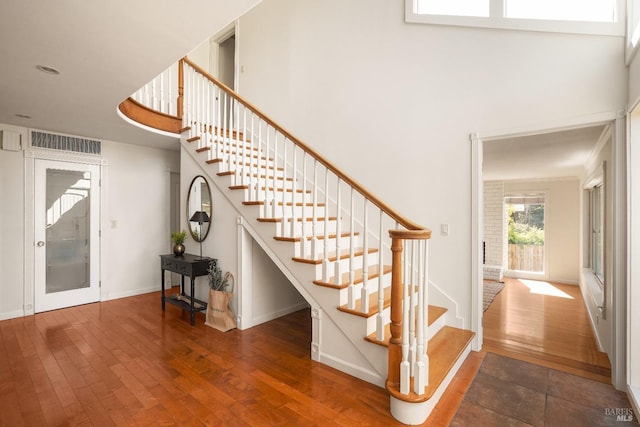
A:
{"points": [[67, 234], [68, 240]]}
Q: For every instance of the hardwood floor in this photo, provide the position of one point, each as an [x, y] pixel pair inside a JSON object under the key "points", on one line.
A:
{"points": [[125, 362], [546, 324]]}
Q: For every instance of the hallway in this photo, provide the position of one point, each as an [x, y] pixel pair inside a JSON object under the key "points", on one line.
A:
{"points": [[545, 324]]}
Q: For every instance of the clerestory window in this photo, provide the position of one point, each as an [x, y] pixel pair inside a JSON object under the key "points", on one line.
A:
{"points": [[568, 16]]}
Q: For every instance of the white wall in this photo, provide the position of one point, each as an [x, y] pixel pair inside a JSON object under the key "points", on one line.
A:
{"points": [[393, 104], [137, 223], [136, 197], [11, 229], [562, 225], [634, 80]]}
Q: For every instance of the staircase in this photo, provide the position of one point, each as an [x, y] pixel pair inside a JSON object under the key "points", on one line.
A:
{"points": [[360, 265]]}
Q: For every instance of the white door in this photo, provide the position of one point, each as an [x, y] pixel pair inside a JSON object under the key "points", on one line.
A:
{"points": [[67, 213]]}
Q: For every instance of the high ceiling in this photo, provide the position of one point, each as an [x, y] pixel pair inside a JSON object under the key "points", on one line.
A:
{"points": [[547, 155], [104, 51]]}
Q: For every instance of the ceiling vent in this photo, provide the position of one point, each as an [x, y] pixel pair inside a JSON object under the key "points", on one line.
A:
{"points": [[65, 143]]}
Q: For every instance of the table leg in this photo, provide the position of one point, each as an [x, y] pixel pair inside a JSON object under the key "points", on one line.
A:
{"points": [[193, 313], [162, 275]]}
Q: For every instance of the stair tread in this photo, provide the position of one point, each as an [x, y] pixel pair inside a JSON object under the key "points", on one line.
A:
{"points": [[288, 190], [218, 160], [443, 351], [434, 313], [332, 256], [308, 219], [262, 202], [320, 237], [255, 175], [373, 272]]}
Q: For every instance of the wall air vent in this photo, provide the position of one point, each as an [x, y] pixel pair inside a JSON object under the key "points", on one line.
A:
{"points": [[65, 143]]}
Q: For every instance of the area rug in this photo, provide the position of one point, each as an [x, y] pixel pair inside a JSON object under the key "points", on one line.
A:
{"points": [[490, 288]]}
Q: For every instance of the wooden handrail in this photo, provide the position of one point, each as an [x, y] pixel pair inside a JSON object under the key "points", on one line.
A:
{"points": [[406, 223]]}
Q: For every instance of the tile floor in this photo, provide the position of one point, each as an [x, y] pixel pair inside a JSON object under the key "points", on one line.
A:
{"points": [[509, 392]]}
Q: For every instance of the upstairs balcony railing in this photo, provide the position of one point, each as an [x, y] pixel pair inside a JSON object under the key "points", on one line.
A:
{"points": [[273, 166]]}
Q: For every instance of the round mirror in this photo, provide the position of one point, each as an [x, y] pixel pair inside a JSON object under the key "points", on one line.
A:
{"points": [[199, 208]]}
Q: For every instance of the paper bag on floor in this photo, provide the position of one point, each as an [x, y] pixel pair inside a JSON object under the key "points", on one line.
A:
{"points": [[219, 314]]}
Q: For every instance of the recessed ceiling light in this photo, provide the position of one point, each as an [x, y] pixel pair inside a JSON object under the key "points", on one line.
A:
{"points": [[48, 70], [23, 116]]}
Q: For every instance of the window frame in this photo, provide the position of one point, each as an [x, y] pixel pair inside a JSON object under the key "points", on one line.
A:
{"points": [[596, 182], [497, 20], [596, 231]]}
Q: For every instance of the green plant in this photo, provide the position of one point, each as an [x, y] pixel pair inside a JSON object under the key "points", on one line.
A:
{"points": [[217, 281], [177, 237]]}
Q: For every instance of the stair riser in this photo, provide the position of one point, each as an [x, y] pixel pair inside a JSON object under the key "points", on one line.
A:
{"points": [[268, 195], [345, 265], [283, 229], [372, 286], [299, 211], [345, 241]]}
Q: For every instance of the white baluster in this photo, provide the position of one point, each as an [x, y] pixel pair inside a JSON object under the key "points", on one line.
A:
{"points": [[412, 282], [271, 194], [253, 181], [314, 215], [259, 182], [325, 256], [420, 371], [405, 366], [352, 254], [303, 219], [380, 317], [364, 293], [283, 193], [338, 268], [294, 187]]}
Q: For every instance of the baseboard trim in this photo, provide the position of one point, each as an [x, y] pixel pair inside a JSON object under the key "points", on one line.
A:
{"points": [[12, 314], [107, 296], [276, 314], [353, 370]]}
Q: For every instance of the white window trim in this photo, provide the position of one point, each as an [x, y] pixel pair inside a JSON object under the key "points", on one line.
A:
{"points": [[498, 21], [631, 48]]}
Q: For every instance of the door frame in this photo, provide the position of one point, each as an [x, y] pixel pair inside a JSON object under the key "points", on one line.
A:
{"points": [[30, 155], [214, 51], [618, 333]]}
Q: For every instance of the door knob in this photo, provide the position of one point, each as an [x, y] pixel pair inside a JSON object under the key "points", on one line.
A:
{"points": [[40, 244]]}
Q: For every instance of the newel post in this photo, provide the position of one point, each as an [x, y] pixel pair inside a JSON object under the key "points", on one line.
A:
{"points": [[397, 289], [180, 102]]}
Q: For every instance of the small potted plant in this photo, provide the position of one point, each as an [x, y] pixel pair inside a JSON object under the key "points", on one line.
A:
{"points": [[177, 237]]}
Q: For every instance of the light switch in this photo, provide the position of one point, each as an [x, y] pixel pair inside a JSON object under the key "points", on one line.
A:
{"points": [[444, 229]]}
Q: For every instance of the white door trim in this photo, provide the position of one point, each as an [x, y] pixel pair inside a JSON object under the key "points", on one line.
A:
{"points": [[617, 364], [30, 155]]}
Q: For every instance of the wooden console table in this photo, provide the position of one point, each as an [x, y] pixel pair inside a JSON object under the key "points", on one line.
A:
{"points": [[186, 265]]}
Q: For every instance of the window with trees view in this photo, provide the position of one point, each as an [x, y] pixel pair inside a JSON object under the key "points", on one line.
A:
{"points": [[525, 233]]}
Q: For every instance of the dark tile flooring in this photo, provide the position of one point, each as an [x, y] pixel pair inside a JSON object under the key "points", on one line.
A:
{"points": [[508, 392]]}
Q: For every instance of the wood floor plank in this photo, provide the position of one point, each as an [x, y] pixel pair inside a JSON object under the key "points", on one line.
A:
{"points": [[126, 362], [544, 323]]}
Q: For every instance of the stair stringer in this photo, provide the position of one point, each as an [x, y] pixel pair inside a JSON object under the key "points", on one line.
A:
{"points": [[438, 297], [338, 338]]}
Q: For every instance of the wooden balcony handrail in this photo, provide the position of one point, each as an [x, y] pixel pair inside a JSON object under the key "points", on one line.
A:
{"points": [[406, 223]]}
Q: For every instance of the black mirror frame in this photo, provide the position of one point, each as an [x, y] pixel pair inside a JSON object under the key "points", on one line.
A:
{"points": [[207, 209]]}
